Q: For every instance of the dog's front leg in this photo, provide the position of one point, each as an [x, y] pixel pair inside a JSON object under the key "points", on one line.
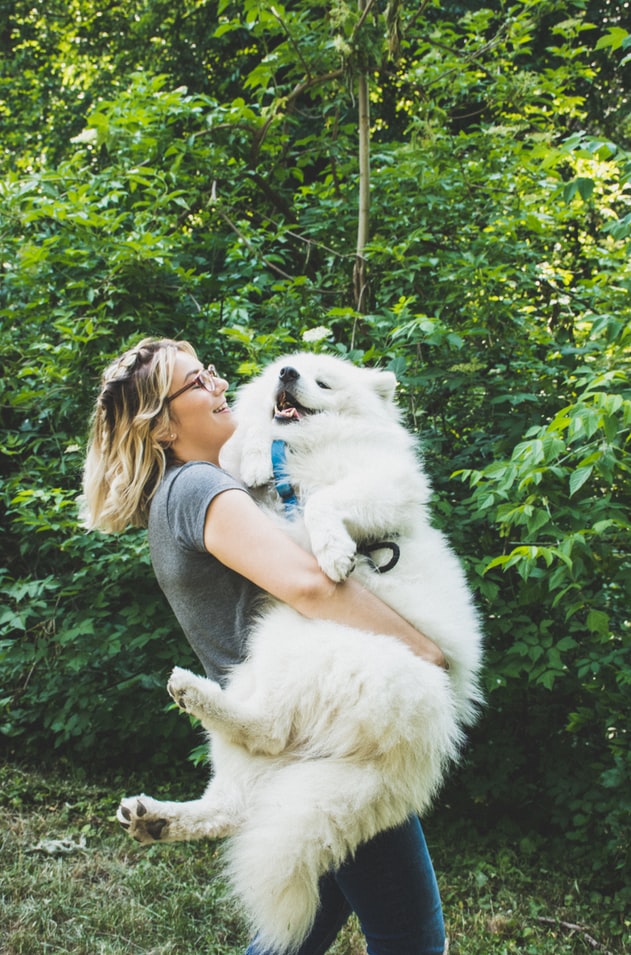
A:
{"points": [[255, 466], [330, 541], [360, 507]]}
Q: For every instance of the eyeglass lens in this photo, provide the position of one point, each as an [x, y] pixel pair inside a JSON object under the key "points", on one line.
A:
{"points": [[208, 376]]}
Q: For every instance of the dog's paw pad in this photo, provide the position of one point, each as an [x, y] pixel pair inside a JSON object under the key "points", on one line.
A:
{"points": [[183, 686], [140, 820], [194, 694]]}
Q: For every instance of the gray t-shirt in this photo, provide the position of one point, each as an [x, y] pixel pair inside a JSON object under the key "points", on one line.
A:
{"points": [[213, 605]]}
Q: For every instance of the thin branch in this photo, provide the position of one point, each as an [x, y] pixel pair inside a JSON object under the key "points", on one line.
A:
{"points": [[417, 16], [298, 90], [369, 5], [255, 252], [467, 57], [571, 927], [310, 243], [292, 42], [213, 201]]}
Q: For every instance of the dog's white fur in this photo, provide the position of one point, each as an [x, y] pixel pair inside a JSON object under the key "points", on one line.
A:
{"points": [[327, 735]]}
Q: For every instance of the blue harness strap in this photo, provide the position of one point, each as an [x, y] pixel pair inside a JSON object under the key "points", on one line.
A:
{"points": [[281, 479]]}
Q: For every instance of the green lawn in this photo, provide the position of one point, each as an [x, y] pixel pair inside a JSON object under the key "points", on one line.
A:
{"points": [[72, 882]]}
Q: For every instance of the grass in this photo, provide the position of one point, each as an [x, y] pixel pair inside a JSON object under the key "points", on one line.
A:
{"points": [[107, 896]]}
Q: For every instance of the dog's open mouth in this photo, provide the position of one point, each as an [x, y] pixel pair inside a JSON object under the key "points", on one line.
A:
{"points": [[288, 409]]}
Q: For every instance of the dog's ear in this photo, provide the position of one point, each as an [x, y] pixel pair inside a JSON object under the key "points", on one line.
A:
{"points": [[383, 382]]}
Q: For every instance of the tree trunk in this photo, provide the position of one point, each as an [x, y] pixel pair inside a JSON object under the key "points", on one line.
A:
{"points": [[363, 221]]}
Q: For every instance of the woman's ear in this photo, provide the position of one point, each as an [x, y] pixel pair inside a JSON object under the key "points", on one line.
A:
{"points": [[164, 433]]}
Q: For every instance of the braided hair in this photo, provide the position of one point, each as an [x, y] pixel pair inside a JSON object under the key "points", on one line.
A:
{"points": [[128, 448]]}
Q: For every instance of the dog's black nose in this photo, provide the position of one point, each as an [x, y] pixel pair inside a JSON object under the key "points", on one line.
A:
{"points": [[288, 374]]}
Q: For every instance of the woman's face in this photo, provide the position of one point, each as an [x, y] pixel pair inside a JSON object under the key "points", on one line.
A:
{"points": [[200, 416]]}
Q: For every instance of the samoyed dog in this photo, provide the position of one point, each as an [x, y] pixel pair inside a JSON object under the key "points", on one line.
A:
{"points": [[327, 735]]}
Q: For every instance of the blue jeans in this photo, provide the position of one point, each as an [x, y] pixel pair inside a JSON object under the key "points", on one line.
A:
{"points": [[391, 886]]}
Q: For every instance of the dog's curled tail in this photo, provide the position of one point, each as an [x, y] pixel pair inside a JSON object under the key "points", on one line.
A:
{"points": [[307, 819]]}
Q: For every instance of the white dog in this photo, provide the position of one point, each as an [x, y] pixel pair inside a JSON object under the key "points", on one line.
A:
{"points": [[327, 735]]}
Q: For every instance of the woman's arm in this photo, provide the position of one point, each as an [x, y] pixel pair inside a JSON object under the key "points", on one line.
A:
{"points": [[242, 537]]}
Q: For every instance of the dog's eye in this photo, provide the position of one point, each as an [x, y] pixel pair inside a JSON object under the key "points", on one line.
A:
{"points": [[322, 384]]}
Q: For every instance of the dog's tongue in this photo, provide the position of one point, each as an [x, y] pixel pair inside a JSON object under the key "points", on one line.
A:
{"points": [[286, 413]]}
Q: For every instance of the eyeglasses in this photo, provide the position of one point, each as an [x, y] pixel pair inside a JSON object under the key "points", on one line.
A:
{"points": [[206, 379]]}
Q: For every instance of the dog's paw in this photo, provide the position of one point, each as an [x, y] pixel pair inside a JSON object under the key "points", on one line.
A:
{"points": [[255, 468], [337, 566], [331, 544], [336, 556], [141, 818], [193, 694]]}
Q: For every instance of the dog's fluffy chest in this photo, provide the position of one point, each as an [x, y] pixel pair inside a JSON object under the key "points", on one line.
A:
{"points": [[328, 449]]}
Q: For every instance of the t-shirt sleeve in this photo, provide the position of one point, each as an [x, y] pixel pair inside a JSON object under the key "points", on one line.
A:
{"points": [[193, 489]]}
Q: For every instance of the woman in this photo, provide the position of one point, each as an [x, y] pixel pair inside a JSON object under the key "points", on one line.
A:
{"points": [[158, 428]]}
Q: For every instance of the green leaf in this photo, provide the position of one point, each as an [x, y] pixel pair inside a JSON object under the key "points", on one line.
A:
{"points": [[585, 187], [598, 622], [614, 39], [578, 478]]}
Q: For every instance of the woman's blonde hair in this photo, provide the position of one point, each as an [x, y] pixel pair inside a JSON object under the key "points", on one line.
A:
{"points": [[129, 436]]}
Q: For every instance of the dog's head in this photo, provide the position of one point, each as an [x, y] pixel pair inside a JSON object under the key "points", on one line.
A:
{"points": [[303, 384], [304, 398]]}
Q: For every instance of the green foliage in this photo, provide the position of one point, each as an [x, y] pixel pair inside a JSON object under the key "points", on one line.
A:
{"points": [[560, 502], [85, 646], [194, 173]]}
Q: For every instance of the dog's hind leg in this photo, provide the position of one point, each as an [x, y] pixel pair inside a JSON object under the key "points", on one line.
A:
{"points": [[258, 729], [301, 823], [149, 820]]}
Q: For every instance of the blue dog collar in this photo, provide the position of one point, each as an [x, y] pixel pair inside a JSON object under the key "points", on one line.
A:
{"points": [[281, 479]]}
